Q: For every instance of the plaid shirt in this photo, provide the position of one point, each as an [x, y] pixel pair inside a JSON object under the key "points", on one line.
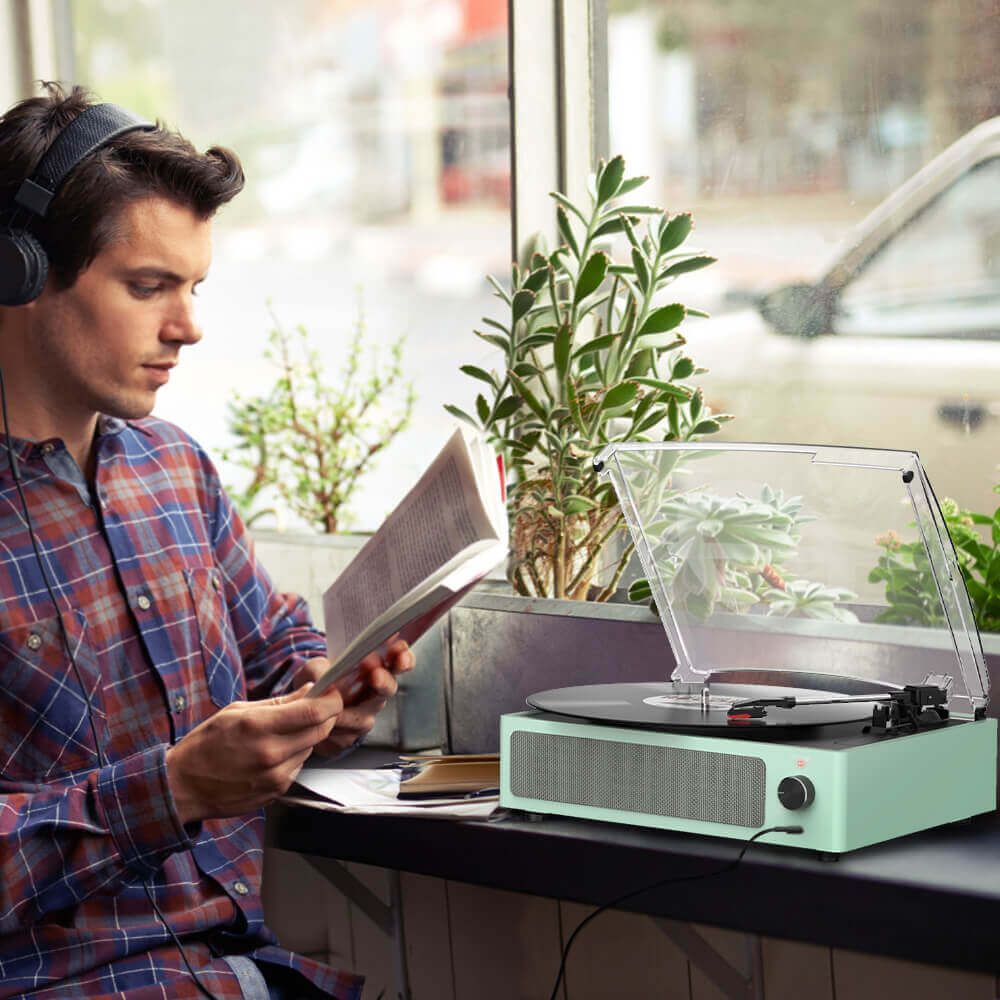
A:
{"points": [[170, 618]]}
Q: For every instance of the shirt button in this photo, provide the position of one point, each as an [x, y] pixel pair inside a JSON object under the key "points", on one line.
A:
{"points": [[48, 448], [216, 583], [241, 888], [179, 702], [144, 602], [34, 641]]}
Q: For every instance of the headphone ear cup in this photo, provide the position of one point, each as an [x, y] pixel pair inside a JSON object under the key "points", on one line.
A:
{"points": [[24, 267]]}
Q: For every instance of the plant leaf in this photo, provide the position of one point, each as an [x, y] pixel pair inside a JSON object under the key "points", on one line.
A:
{"points": [[673, 418], [641, 269], [483, 408], [560, 350], [566, 203], [536, 340], [577, 504], [631, 184], [676, 391], [695, 406], [643, 362], [619, 395], [566, 231], [497, 341], [523, 300], [479, 373], [663, 319], [461, 414], [611, 179], [506, 407], [596, 344], [683, 368], [535, 281], [528, 396], [616, 225], [500, 290], [684, 266], [675, 232], [591, 276]]}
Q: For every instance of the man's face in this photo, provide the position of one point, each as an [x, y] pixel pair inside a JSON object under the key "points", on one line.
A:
{"points": [[106, 344]]}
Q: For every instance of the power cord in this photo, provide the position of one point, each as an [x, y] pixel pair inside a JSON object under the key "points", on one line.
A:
{"points": [[728, 867], [101, 759]]}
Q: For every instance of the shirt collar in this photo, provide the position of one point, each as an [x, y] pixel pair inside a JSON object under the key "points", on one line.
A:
{"points": [[26, 450]]}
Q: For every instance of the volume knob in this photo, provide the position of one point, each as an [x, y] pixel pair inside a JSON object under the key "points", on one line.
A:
{"points": [[796, 792]]}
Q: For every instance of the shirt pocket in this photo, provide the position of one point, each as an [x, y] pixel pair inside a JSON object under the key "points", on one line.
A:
{"points": [[45, 725], [219, 651]]}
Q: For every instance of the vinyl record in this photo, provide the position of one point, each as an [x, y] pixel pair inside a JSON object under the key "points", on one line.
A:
{"points": [[662, 706]]}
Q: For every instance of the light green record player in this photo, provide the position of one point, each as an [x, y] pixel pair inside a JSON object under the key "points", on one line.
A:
{"points": [[829, 674]]}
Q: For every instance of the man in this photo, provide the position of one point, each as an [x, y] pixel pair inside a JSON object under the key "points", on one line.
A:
{"points": [[152, 681]]}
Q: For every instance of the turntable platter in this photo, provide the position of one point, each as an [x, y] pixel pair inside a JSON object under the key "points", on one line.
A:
{"points": [[662, 706]]}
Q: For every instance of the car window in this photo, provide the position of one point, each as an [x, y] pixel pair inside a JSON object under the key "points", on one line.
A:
{"points": [[940, 274]]}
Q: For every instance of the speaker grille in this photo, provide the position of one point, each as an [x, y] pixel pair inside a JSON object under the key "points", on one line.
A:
{"points": [[633, 777]]}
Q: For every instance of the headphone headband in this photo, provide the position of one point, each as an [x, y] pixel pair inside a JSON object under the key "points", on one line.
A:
{"points": [[87, 132]]}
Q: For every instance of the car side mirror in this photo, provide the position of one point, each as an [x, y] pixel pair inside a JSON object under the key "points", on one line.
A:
{"points": [[799, 310]]}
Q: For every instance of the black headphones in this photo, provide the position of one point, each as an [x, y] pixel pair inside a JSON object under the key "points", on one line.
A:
{"points": [[24, 265]]}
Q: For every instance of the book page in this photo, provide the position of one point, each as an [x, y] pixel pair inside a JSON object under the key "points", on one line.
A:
{"points": [[434, 523]]}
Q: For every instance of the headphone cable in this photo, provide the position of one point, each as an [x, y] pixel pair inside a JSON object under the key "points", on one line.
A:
{"points": [[16, 473], [101, 759], [728, 867]]}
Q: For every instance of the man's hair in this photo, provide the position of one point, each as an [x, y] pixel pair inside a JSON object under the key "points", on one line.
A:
{"points": [[85, 215]]}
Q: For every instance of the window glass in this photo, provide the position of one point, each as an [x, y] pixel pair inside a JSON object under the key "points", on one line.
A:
{"points": [[940, 274], [781, 126], [374, 136]]}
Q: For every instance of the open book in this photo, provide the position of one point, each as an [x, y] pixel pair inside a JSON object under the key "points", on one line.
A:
{"points": [[445, 535]]}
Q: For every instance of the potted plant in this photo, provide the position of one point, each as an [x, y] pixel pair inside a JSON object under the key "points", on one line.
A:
{"points": [[592, 354], [910, 592]]}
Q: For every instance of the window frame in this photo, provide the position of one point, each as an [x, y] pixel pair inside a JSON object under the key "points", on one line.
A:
{"points": [[557, 54]]}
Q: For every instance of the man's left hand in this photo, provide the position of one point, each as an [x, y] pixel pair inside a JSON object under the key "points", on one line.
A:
{"points": [[365, 692]]}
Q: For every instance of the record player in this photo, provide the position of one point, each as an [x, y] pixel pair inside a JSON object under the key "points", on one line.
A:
{"points": [[829, 672]]}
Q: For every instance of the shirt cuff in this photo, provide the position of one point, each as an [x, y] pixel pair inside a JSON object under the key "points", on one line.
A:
{"points": [[135, 796]]}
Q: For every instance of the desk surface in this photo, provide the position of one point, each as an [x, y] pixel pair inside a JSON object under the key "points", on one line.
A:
{"points": [[932, 897]]}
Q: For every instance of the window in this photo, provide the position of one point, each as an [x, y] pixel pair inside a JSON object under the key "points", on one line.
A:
{"points": [[940, 275], [781, 125], [375, 141]]}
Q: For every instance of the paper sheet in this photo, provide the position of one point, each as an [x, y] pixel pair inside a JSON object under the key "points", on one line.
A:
{"points": [[374, 791]]}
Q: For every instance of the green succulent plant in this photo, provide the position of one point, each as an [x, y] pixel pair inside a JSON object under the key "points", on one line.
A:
{"points": [[804, 599], [730, 553]]}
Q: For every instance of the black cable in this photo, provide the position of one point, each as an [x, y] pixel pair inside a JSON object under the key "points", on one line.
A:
{"points": [[16, 473], [101, 759], [656, 885], [178, 944]]}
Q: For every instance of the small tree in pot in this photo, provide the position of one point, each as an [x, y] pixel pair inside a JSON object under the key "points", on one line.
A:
{"points": [[591, 357]]}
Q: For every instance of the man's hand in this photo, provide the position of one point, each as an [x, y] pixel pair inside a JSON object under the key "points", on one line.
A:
{"points": [[248, 753], [364, 691]]}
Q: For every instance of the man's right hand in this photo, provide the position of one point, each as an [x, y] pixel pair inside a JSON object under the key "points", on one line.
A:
{"points": [[248, 753]]}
